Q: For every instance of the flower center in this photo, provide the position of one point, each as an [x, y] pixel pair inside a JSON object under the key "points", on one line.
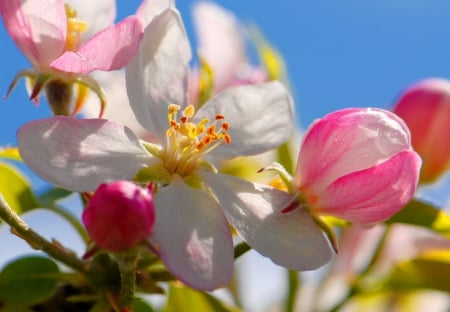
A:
{"points": [[188, 142], [75, 29]]}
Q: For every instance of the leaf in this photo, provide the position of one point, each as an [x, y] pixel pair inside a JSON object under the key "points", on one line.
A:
{"points": [[140, 305], [423, 214], [14, 309], [429, 272], [53, 195], [11, 153], [182, 298], [16, 189], [28, 280]]}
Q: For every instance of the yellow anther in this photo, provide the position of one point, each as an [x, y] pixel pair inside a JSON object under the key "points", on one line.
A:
{"points": [[173, 108], [75, 28], [189, 111]]}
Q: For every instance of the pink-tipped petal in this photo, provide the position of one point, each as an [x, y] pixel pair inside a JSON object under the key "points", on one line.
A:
{"points": [[110, 49], [157, 76], [346, 141], [425, 107], [192, 236], [373, 194], [261, 117], [37, 27], [79, 154], [291, 240]]}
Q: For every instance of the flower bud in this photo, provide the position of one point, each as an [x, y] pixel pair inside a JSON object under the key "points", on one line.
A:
{"points": [[119, 215], [425, 107], [358, 165]]}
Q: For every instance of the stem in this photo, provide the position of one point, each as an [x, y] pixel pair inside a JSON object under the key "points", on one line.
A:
{"points": [[127, 266], [69, 217], [293, 283], [36, 241]]}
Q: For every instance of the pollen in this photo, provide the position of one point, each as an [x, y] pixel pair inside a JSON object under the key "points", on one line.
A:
{"points": [[75, 29], [187, 142]]}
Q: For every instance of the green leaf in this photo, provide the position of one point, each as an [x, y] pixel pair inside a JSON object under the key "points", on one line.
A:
{"points": [[140, 305], [28, 280], [16, 189], [11, 153], [14, 309], [421, 273], [182, 298], [53, 195], [423, 214]]}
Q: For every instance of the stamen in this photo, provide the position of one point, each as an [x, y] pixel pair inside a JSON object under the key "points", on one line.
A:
{"points": [[188, 142], [75, 29]]}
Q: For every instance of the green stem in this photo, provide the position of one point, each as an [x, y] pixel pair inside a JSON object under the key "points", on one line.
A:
{"points": [[127, 266], [69, 217], [293, 284], [36, 241]]}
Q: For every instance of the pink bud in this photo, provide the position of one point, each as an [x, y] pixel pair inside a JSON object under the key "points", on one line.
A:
{"points": [[119, 215], [357, 164], [425, 107]]}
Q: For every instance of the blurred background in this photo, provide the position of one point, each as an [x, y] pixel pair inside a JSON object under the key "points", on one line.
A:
{"points": [[338, 54]]}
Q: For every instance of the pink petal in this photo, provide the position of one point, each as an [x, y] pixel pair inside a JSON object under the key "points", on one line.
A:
{"points": [[37, 27], [110, 49], [347, 141], [192, 236], [373, 194], [425, 107], [157, 76], [79, 154], [291, 240]]}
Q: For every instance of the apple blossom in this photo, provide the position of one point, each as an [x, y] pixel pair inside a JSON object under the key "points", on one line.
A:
{"points": [[49, 34], [425, 108], [119, 215], [356, 164], [193, 202]]}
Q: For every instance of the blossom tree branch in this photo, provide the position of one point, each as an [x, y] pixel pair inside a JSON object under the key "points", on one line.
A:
{"points": [[36, 241]]}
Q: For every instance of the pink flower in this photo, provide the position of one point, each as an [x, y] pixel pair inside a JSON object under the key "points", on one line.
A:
{"points": [[49, 34], [425, 107], [119, 215], [357, 164]]}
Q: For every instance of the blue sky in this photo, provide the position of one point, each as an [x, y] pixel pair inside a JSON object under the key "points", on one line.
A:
{"points": [[339, 54]]}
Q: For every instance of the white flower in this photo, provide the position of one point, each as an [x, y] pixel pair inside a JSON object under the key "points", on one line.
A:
{"points": [[193, 202]]}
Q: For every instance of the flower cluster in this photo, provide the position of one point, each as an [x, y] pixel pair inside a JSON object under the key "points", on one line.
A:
{"points": [[162, 199]]}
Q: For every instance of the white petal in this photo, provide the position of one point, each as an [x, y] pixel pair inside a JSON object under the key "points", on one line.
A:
{"points": [[192, 236], [157, 76], [261, 117], [80, 154], [291, 239], [151, 8], [221, 41]]}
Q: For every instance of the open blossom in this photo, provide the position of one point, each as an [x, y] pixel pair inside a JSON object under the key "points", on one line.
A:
{"points": [[119, 215], [357, 164], [50, 35], [425, 107], [195, 204]]}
